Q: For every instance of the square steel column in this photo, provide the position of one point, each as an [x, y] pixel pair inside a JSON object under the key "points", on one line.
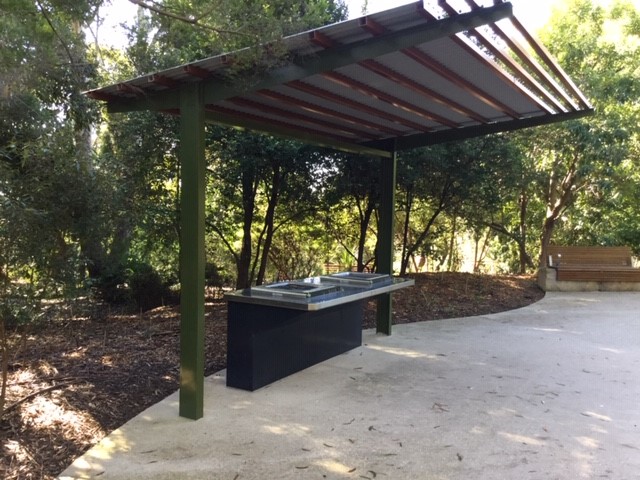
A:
{"points": [[385, 238], [192, 252]]}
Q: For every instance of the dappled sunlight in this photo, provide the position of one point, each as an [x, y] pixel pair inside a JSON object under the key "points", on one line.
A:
{"points": [[598, 429], [403, 352], [523, 439], [584, 465], [329, 449], [91, 464], [611, 350], [77, 353], [504, 412], [43, 413], [116, 442], [241, 405], [107, 361], [19, 452], [557, 330], [334, 466], [598, 416], [287, 429], [588, 442]]}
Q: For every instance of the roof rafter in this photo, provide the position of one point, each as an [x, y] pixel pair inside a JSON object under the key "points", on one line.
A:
{"points": [[324, 41], [329, 112], [322, 93], [387, 98], [261, 107], [375, 29]]}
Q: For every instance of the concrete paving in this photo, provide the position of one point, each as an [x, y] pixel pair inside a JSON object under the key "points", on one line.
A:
{"points": [[550, 391]]}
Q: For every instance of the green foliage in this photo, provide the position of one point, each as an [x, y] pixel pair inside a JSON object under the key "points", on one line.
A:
{"points": [[257, 185], [462, 179], [148, 289], [252, 176], [178, 31], [21, 304], [136, 284], [216, 276], [583, 160], [299, 250], [350, 199]]}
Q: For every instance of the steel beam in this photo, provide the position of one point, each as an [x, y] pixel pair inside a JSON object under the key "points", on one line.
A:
{"points": [[423, 140], [192, 252]]}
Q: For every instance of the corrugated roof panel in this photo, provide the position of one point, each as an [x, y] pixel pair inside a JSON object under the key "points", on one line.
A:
{"points": [[481, 74], [354, 114], [393, 113], [456, 94], [404, 94], [398, 73]]}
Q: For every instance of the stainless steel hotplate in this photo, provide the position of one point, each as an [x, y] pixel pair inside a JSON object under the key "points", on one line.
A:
{"points": [[356, 279], [294, 289]]}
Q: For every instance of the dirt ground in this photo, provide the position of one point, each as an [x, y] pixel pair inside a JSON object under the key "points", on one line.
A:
{"points": [[89, 369]]}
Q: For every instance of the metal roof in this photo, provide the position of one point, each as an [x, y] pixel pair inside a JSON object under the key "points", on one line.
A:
{"points": [[414, 75]]}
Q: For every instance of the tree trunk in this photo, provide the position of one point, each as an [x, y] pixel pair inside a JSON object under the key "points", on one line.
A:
{"points": [[405, 256], [452, 242], [522, 243], [243, 261], [4, 365], [545, 239], [365, 218], [269, 221], [481, 243]]}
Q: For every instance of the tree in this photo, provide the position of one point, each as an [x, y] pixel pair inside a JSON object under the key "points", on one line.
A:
{"points": [[175, 32], [351, 196], [45, 160], [254, 177], [600, 50], [462, 179]]}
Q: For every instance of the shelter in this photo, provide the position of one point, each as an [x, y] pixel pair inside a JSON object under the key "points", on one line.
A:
{"points": [[415, 75]]}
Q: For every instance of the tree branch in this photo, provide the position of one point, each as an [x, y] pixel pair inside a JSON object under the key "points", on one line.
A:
{"points": [[218, 231], [55, 32], [191, 21], [34, 395]]}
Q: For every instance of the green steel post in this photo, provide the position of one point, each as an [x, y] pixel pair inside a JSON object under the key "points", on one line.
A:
{"points": [[385, 238], [192, 256]]}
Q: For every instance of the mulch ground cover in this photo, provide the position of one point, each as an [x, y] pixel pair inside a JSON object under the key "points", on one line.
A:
{"points": [[86, 370]]}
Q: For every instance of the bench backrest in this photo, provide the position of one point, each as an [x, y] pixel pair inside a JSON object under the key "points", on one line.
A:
{"points": [[614, 256]]}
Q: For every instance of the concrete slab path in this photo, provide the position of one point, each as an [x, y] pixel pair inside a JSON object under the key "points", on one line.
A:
{"points": [[550, 391]]}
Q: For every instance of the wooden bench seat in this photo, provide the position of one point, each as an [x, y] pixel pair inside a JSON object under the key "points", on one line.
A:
{"points": [[598, 274], [599, 268]]}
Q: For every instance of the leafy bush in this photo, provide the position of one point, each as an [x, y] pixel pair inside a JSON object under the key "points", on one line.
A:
{"points": [[214, 276], [139, 284]]}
